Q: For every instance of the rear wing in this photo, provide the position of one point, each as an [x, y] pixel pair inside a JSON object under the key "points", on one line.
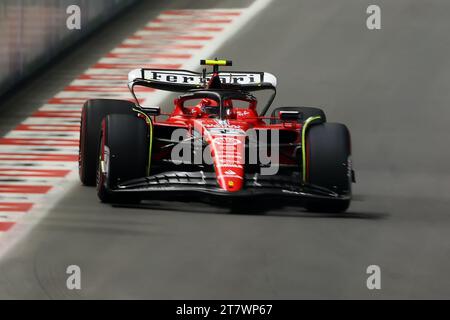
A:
{"points": [[185, 80]]}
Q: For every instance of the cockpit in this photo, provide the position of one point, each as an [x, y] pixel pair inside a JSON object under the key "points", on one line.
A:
{"points": [[216, 104]]}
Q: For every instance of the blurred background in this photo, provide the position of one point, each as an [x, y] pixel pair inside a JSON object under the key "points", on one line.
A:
{"points": [[33, 32]]}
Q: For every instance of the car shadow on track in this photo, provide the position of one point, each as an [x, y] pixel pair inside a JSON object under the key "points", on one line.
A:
{"points": [[346, 215], [261, 208]]}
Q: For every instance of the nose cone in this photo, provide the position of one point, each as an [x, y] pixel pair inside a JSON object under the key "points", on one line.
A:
{"points": [[227, 152], [227, 144]]}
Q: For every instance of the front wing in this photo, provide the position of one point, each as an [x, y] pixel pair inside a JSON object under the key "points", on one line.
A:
{"points": [[176, 183]]}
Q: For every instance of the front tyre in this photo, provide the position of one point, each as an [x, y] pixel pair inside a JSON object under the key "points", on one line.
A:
{"points": [[328, 165], [92, 115], [123, 155]]}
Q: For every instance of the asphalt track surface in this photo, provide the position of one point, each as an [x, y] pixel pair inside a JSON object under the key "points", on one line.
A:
{"points": [[389, 86]]}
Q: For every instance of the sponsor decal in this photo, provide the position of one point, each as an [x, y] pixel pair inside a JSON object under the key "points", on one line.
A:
{"points": [[189, 78], [228, 141], [227, 131], [229, 165], [105, 162], [243, 113]]}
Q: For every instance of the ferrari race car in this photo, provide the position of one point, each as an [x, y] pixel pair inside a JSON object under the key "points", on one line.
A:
{"points": [[214, 144]]}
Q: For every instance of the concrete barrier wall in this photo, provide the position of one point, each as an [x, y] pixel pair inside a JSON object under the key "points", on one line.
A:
{"points": [[32, 32]]}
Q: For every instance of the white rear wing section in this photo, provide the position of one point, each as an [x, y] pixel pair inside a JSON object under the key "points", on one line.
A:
{"points": [[165, 78]]}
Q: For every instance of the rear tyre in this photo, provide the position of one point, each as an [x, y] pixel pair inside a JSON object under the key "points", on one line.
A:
{"points": [[91, 117], [124, 151], [328, 159], [305, 113]]}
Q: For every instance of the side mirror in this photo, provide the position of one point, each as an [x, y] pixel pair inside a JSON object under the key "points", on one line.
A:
{"points": [[152, 111], [290, 115]]}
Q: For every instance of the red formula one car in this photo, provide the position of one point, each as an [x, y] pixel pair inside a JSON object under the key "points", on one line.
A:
{"points": [[214, 144]]}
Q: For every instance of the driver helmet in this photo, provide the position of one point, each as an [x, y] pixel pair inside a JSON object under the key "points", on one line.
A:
{"points": [[209, 106]]}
